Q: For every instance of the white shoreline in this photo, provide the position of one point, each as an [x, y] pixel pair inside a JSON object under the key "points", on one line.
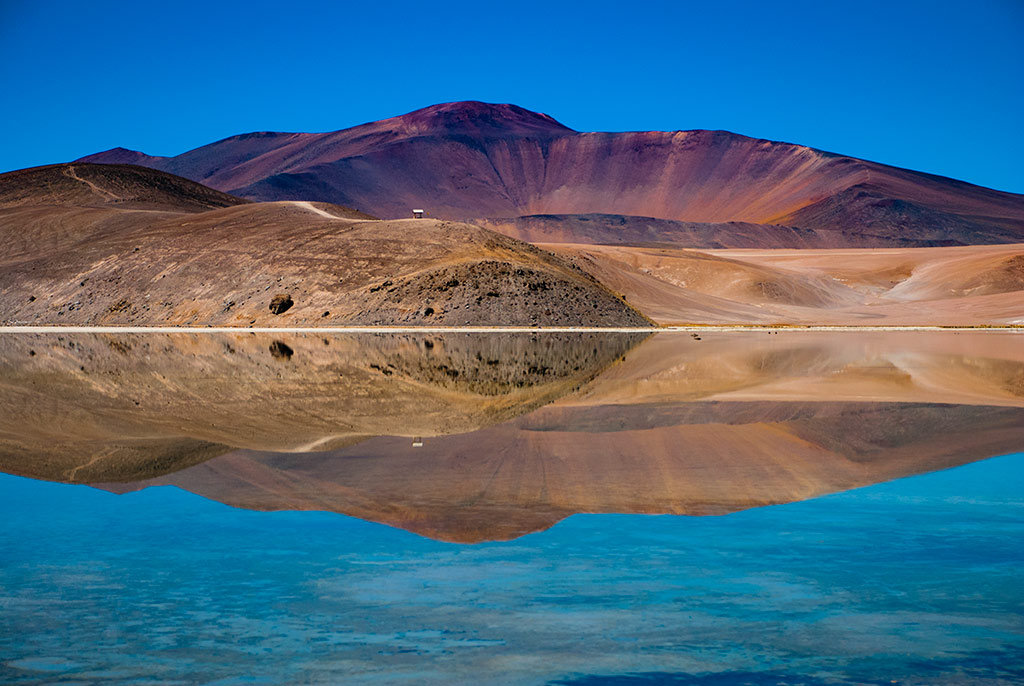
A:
{"points": [[725, 328]]}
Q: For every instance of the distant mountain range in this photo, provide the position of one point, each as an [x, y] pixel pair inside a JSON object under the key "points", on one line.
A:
{"points": [[528, 175]]}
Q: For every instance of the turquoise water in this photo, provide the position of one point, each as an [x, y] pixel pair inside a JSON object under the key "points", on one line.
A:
{"points": [[918, 581]]}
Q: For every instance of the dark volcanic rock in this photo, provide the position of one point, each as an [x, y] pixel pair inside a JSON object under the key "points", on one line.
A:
{"points": [[281, 303]]}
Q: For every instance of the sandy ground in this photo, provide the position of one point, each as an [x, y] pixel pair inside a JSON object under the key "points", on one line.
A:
{"points": [[960, 286]]}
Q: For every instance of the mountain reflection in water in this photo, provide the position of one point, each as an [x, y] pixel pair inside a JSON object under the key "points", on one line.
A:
{"points": [[518, 431]]}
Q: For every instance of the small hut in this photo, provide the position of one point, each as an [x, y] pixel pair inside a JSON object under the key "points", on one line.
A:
{"points": [[418, 214]]}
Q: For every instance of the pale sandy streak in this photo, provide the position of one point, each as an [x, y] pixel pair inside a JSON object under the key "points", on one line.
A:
{"points": [[316, 210], [753, 328]]}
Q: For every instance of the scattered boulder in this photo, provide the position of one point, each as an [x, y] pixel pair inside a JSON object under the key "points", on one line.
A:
{"points": [[281, 303], [120, 306]]}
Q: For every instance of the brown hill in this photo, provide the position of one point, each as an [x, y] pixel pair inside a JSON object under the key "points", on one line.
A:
{"points": [[99, 246], [476, 160], [121, 185], [58, 208]]}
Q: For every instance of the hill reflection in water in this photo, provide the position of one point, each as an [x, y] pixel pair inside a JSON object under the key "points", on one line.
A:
{"points": [[479, 437]]}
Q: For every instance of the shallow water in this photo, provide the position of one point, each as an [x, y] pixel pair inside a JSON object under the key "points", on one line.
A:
{"points": [[856, 530]]}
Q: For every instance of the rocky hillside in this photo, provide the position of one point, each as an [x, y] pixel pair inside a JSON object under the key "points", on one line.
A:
{"points": [[79, 257]]}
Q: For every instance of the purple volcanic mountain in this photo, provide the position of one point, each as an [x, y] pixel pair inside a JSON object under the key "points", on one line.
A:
{"points": [[531, 176]]}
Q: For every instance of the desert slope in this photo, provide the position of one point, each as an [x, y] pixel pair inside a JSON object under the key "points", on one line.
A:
{"points": [[120, 185], [957, 286], [79, 257], [477, 160], [52, 209]]}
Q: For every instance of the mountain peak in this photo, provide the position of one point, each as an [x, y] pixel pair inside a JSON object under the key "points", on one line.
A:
{"points": [[117, 155], [479, 118]]}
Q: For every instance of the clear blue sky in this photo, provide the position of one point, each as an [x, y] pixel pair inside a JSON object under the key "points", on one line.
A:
{"points": [[935, 85]]}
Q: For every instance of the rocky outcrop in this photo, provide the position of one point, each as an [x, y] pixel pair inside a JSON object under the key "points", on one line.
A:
{"points": [[280, 303]]}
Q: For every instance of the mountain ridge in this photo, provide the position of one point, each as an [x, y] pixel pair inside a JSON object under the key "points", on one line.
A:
{"points": [[124, 185], [471, 161]]}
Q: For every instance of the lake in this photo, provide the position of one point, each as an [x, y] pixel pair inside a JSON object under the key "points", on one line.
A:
{"points": [[762, 508]]}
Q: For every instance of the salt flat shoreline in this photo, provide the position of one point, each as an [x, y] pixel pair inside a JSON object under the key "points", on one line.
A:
{"points": [[694, 328]]}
